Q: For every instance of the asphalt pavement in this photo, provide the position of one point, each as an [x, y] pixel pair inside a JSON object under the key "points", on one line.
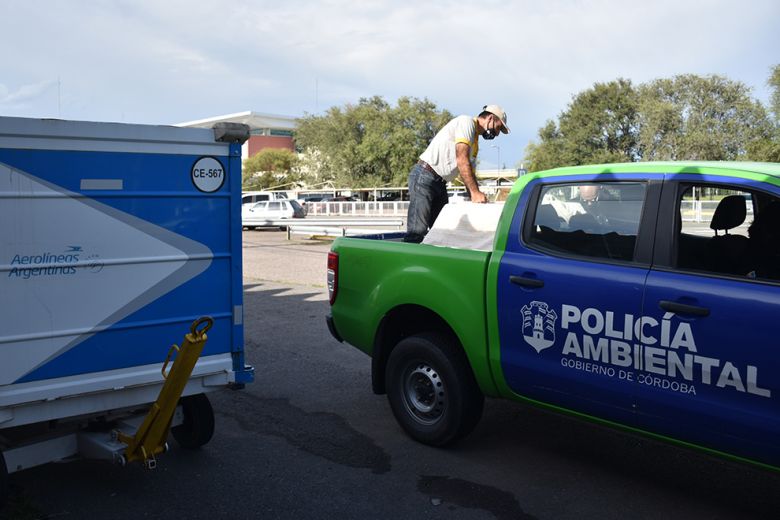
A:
{"points": [[308, 439]]}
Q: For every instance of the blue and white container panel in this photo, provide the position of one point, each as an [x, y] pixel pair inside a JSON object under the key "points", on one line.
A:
{"points": [[113, 239]]}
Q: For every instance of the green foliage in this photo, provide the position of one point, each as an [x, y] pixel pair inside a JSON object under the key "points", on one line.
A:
{"points": [[769, 149], [549, 153], [692, 117], [599, 126], [687, 117], [774, 84], [766, 150], [371, 143], [269, 168]]}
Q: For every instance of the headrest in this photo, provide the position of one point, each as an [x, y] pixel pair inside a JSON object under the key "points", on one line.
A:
{"points": [[730, 213], [547, 216]]}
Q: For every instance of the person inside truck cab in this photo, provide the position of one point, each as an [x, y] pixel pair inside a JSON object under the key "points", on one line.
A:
{"points": [[452, 152], [592, 212], [591, 194]]}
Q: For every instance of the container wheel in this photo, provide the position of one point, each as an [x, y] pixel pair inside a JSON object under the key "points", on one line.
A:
{"points": [[432, 390], [198, 426]]}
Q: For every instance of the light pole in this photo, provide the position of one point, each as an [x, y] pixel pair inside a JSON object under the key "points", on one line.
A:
{"points": [[498, 166]]}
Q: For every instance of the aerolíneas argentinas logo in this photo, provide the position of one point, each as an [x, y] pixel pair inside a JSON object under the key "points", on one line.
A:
{"points": [[539, 325], [48, 263]]}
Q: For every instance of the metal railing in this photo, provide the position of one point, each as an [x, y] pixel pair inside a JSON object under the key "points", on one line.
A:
{"points": [[343, 227], [357, 209], [702, 210], [335, 231]]}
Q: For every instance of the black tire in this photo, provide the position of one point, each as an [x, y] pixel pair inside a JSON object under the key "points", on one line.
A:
{"points": [[432, 390], [198, 426]]}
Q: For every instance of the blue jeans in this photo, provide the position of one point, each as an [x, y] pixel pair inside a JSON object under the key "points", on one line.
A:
{"points": [[427, 196]]}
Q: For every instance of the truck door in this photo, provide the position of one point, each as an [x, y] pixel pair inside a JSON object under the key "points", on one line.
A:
{"points": [[569, 292], [713, 296]]}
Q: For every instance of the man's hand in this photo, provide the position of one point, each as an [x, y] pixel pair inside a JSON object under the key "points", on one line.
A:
{"points": [[469, 179], [478, 197]]}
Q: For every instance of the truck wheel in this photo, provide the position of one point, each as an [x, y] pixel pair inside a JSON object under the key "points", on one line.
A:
{"points": [[198, 426], [431, 389]]}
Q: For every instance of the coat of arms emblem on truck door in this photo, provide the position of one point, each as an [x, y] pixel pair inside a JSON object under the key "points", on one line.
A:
{"points": [[539, 325]]}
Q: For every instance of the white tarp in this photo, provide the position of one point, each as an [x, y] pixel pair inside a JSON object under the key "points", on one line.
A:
{"points": [[465, 226]]}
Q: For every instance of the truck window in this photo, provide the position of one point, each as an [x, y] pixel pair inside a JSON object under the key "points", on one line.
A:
{"points": [[598, 220], [727, 230]]}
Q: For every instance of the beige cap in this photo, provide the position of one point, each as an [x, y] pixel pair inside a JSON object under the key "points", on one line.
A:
{"points": [[499, 113]]}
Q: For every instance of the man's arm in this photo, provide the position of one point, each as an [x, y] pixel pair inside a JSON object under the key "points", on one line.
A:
{"points": [[467, 174]]}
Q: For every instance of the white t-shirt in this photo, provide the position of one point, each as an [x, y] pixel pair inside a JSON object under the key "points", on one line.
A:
{"points": [[440, 154]]}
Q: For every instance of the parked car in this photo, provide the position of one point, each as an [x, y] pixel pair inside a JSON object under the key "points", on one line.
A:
{"points": [[389, 197], [322, 197], [268, 212]]}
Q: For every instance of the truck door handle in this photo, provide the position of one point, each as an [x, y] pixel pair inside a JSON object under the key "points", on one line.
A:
{"points": [[526, 282], [682, 308]]}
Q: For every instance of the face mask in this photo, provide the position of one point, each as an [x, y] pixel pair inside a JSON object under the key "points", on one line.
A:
{"points": [[489, 133]]}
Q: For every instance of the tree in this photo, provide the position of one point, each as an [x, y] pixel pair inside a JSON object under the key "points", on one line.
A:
{"points": [[691, 117], [549, 153], [686, 117], [371, 143], [599, 125], [774, 84], [269, 168], [769, 149]]}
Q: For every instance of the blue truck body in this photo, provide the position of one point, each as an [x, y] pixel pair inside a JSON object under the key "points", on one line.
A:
{"points": [[619, 355]]}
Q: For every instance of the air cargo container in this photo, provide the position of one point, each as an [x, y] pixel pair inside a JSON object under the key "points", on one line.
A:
{"points": [[114, 240]]}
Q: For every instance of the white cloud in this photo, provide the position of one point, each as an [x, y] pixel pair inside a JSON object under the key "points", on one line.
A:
{"points": [[25, 95], [162, 62]]}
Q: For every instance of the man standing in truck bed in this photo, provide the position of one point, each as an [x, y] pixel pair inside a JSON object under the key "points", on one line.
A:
{"points": [[452, 151]]}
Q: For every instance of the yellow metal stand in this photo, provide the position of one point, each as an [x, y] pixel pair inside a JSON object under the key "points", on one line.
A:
{"points": [[150, 439]]}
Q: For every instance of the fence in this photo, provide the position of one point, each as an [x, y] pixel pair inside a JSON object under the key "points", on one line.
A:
{"points": [[356, 209], [341, 228], [336, 231], [691, 210], [702, 210]]}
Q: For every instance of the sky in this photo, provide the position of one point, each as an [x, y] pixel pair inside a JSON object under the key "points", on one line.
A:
{"points": [[170, 61]]}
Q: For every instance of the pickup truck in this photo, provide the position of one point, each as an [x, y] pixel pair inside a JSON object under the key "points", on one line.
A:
{"points": [[642, 296]]}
